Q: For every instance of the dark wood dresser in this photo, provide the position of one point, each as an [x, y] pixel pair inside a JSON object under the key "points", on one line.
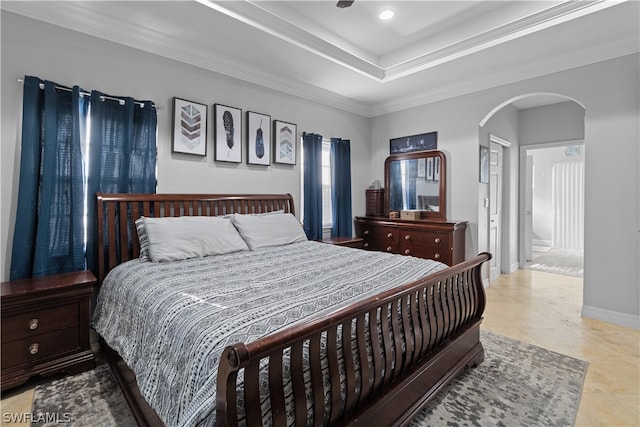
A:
{"points": [[442, 241], [45, 326]]}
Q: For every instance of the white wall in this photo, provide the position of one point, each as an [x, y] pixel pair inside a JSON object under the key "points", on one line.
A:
{"points": [[30, 47], [609, 92], [543, 211]]}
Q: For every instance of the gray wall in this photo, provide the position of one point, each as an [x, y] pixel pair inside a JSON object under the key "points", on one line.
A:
{"points": [[552, 123], [609, 91], [30, 47], [504, 125]]}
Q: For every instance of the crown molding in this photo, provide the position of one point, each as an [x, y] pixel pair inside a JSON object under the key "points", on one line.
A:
{"points": [[253, 14], [515, 74], [123, 31]]}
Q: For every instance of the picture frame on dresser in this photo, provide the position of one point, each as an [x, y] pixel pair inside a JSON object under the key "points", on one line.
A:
{"points": [[285, 137], [189, 121], [258, 139], [228, 133]]}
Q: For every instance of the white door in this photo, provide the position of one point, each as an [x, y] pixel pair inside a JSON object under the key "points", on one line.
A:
{"points": [[528, 209], [495, 209]]}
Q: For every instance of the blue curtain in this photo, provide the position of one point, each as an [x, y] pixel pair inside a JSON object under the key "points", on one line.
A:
{"points": [[341, 187], [49, 231], [312, 151], [122, 158]]}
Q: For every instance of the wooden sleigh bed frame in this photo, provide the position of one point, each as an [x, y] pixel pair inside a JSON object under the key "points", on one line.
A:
{"points": [[430, 331]]}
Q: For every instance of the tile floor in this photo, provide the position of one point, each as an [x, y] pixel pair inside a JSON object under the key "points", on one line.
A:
{"points": [[542, 309]]}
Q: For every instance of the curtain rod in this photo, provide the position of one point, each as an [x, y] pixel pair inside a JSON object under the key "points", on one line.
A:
{"points": [[102, 97]]}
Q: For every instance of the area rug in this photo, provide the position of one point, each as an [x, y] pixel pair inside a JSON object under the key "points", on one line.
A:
{"points": [[517, 385]]}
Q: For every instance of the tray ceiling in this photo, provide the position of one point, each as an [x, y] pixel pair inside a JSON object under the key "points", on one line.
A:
{"points": [[347, 58]]}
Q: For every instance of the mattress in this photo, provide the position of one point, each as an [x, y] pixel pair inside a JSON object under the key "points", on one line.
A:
{"points": [[171, 321]]}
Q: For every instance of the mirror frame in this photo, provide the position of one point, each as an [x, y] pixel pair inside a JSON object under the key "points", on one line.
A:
{"points": [[441, 215]]}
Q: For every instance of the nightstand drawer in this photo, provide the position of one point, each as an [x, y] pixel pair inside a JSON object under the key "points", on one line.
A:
{"points": [[39, 322], [39, 347]]}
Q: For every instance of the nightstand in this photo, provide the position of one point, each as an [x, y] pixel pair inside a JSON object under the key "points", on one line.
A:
{"points": [[352, 242], [45, 326]]}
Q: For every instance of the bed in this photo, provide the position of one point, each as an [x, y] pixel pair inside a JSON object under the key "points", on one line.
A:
{"points": [[350, 338]]}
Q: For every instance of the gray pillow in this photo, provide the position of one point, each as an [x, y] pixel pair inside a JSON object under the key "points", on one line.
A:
{"points": [[178, 238], [261, 231]]}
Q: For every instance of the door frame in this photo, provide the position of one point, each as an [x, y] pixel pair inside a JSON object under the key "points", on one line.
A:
{"points": [[524, 149], [503, 241]]}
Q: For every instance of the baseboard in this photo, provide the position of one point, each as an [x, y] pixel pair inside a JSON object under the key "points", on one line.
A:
{"points": [[615, 317], [540, 242], [514, 267]]}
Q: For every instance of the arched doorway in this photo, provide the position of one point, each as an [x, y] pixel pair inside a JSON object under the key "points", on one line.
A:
{"points": [[524, 122]]}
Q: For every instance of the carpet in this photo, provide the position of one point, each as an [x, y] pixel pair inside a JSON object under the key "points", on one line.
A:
{"points": [[517, 385]]}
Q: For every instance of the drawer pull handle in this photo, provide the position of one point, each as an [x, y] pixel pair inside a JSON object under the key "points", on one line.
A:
{"points": [[407, 251], [33, 324], [388, 248], [407, 237], [34, 348], [437, 256], [366, 232], [366, 245], [437, 240], [390, 235]]}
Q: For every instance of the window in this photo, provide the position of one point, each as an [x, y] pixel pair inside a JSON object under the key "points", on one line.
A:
{"points": [[327, 215]]}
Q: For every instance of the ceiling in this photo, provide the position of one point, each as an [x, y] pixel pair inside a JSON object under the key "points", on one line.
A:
{"points": [[348, 58]]}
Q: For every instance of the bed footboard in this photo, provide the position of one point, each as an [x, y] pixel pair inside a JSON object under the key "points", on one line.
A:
{"points": [[374, 363]]}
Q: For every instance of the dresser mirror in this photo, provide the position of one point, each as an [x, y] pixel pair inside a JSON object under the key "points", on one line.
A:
{"points": [[416, 181]]}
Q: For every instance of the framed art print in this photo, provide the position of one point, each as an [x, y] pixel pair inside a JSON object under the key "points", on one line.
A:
{"points": [[408, 144], [189, 127], [284, 146], [258, 139], [228, 133]]}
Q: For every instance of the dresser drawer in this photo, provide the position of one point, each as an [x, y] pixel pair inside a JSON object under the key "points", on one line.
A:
{"points": [[377, 245], [418, 238], [426, 252], [383, 235], [39, 347], [39, 322]]}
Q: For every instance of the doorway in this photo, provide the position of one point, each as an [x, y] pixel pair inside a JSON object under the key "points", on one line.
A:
{"points": [[497, 148], [529, 120], [553, 211]]}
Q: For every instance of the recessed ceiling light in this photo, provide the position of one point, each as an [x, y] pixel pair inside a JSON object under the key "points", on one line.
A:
{"points": [[385, 14]]}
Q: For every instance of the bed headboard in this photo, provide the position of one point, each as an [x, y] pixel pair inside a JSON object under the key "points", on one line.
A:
{"points": [[117, 213]]}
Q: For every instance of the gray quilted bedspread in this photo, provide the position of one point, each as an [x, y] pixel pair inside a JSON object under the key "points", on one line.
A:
{"points": [[171, 321]]}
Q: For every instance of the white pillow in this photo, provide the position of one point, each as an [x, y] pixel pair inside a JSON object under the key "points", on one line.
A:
{"points": [[260, 231], [177, 238]]}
